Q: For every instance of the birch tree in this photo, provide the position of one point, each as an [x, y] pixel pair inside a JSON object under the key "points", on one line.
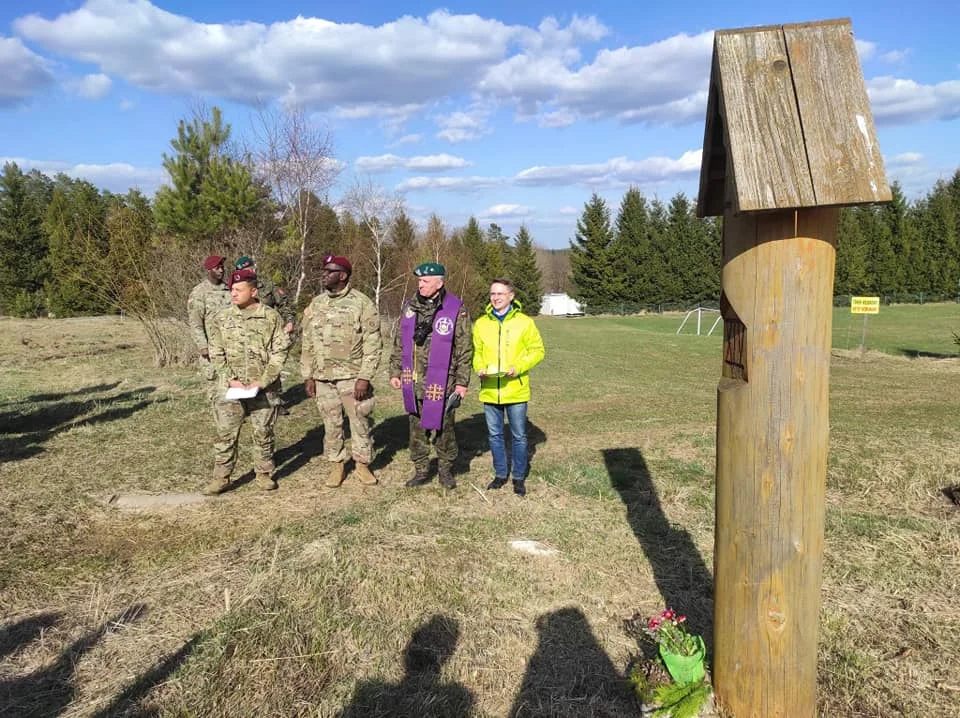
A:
{"points": [[295, 157]]}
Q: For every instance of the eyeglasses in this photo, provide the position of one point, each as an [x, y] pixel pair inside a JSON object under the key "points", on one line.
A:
{"points": [[326, 270]]}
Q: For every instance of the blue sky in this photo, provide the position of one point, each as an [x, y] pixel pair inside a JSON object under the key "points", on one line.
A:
{"points": [[512, 112]]}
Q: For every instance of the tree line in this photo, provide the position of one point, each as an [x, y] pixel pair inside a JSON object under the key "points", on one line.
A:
{"points": [[68, 248], [653, 255]]}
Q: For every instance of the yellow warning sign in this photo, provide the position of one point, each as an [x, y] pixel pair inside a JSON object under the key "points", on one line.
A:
{"points": [[864, 305]]}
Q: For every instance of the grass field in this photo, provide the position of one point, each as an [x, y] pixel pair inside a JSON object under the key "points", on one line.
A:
{"points": [[390, 601]]}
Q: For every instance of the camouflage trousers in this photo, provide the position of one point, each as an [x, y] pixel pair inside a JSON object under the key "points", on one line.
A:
{"points": [[228, 416], [445, 442], [334, 398]]}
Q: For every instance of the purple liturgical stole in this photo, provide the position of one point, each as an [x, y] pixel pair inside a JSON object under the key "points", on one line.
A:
{"points": [[438, 362]]}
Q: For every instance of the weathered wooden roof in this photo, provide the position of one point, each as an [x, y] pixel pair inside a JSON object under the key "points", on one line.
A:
{"points": [[788, 122]]}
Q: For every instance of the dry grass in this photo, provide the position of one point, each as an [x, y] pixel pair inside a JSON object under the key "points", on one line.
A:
{"points": [[390, 601]]}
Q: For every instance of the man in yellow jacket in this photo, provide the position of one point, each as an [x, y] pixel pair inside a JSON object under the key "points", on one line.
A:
{"points": [[506, 346]]}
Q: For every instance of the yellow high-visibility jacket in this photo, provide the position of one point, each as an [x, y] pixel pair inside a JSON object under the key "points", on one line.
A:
{"points": [[497, 346]]}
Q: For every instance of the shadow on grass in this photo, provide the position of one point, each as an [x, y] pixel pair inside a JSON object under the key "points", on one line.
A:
{"points": [[922, 354], [22, 435], [58, 396], [128, 701], [678, 569], [393, 435], [48, 691], [294, 457], [570, 674], [420, 692], [293, 395], [474, 441]]}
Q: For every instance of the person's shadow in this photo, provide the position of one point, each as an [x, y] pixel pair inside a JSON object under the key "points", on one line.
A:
{"points": [[474, 441], [24, 433], [50, 690], [678, 569], [392, 435], [420, 692], [291, 458], [570, 673]]}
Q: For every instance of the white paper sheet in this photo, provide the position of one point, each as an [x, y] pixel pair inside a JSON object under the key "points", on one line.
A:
{"points": [[235, 393]]}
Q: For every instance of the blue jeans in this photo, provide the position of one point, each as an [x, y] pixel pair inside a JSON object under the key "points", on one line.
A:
{"points": [[517, 416]]}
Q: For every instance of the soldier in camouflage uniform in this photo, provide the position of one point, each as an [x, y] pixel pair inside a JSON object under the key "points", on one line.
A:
{"points": [[273, 296], [424, 318], [341, 351], [247, 348], [206, 299]]}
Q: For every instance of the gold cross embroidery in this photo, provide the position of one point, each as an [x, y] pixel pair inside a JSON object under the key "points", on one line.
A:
{"points": [[406, 376], [433, 392]]}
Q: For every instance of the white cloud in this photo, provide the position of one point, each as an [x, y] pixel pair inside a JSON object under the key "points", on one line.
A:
{"points": [[91, 87], [309, 60], [898, 101], [115, 176], [865, 49], [126, 104], [664, 82], [410, 139], [617, 171], [388, 71], [567, 210], [452, 184], [614, 173], [905, 158], [895, 57], [420, 163], [508, 210], [559, 118], [462, 126], [24, 72]]}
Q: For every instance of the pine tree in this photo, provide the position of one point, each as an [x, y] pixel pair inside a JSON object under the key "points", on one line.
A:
{"points": [[594, 278], [851, 271], [498, 251], [23, 244], [632, 249], [665, 287], [474, 294], [524, 272], [75, 224], [211, 193]]}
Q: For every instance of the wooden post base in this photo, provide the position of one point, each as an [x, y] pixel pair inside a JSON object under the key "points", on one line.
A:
{"points": [[772, 436]]}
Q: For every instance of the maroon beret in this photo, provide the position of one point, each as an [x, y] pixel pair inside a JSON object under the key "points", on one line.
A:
{"points": [[339, 261], [243, 275], [213, 261]]}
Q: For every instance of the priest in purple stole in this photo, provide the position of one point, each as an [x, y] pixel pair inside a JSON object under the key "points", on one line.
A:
{"points": [[432, 360]]}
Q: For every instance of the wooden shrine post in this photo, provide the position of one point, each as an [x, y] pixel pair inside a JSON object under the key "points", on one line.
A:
{"points": [[789, 138]]}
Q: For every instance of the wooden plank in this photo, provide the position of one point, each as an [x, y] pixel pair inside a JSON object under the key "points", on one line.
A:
{"points": [[842, 149], [766, 156], [713, 165]]}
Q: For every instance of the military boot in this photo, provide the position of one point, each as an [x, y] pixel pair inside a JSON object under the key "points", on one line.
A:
{"points": [[419, 479], [216, 485], [446, 478], [335, 477], [264, 481], [362, 472]]}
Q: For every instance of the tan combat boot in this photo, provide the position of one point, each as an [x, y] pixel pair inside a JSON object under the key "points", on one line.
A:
{"points": [[335, 477], [363, 473], [265, 482], [216, 485]]}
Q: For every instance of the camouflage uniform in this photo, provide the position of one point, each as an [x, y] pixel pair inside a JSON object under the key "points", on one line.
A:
{"points": [[271, 295], [206, 300], [248, 345], [461, 359], [341, 343]]}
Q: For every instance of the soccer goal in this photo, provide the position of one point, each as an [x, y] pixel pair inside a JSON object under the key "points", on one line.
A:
{"points": [[699, 311]]}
